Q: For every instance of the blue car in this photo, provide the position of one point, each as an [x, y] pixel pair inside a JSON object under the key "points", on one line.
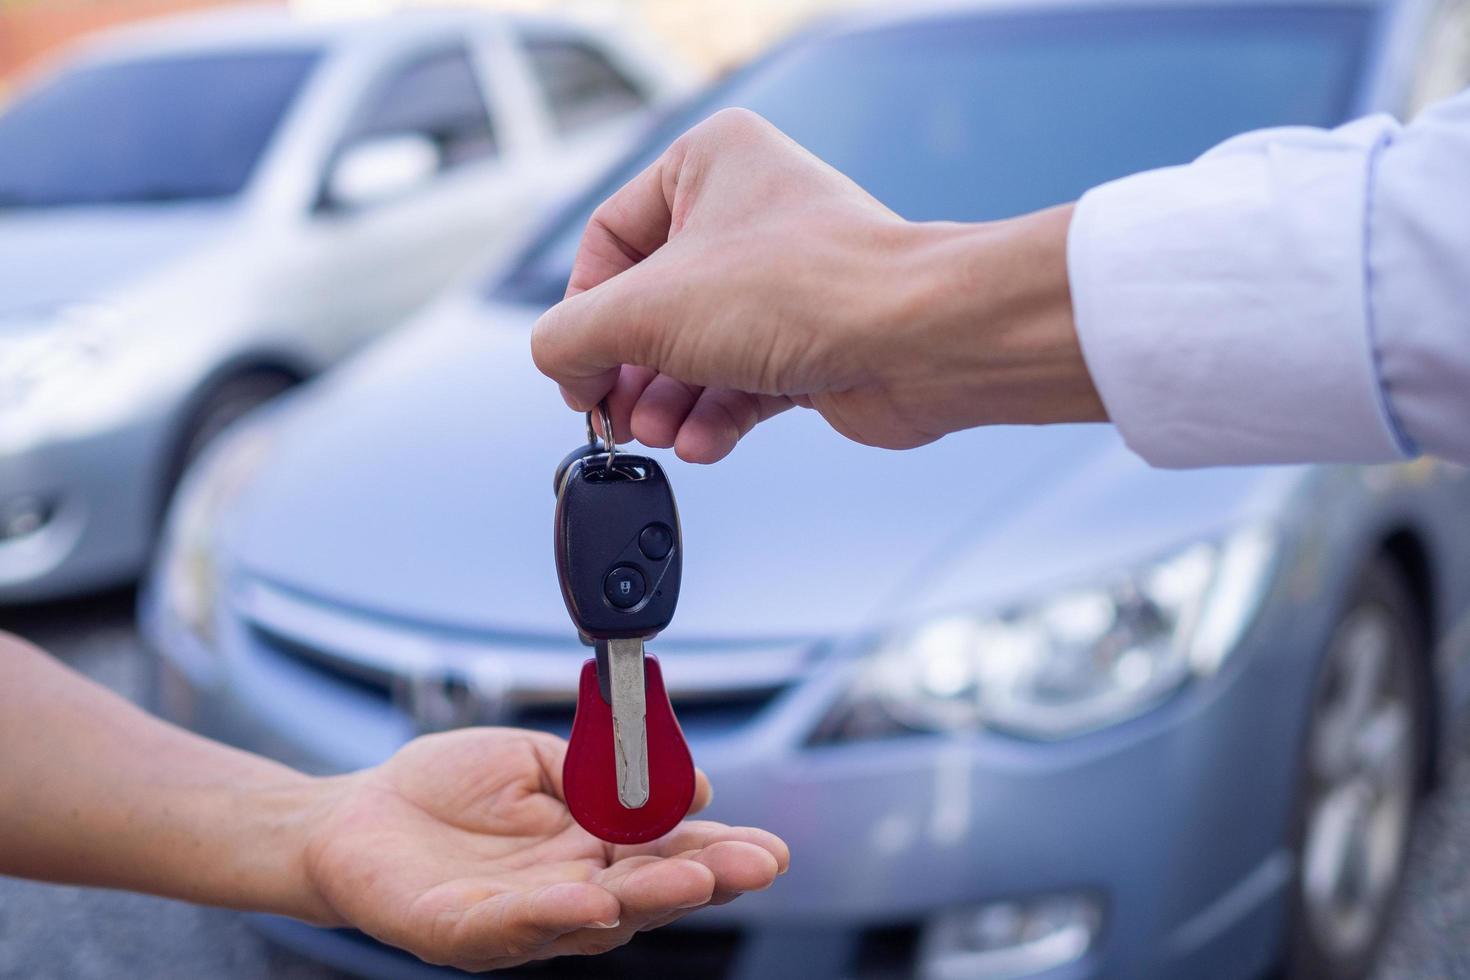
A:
{"points": [[1022, 706]]}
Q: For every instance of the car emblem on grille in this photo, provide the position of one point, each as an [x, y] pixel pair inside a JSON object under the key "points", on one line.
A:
{"points": [[441, 698]]}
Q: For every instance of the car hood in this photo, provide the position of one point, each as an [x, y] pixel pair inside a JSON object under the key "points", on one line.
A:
{"points": [[53, 257], [415, 484]]}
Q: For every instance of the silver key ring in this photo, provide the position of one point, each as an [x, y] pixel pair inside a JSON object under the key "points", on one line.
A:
{"points": [[607, 432]]}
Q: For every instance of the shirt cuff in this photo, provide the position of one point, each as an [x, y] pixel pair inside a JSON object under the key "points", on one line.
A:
{"points": [[1221, 307]]}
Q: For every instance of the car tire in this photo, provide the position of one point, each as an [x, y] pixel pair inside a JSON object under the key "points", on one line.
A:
{"points": [[1361, 780], [226, 403]]}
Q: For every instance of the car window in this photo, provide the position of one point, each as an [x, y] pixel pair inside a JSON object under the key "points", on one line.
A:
{"points": [[975, 117], [177, 127], [582, 87], [439, 97]]}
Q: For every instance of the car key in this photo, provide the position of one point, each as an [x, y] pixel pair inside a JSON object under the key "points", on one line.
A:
{"points": [[628, 776]]}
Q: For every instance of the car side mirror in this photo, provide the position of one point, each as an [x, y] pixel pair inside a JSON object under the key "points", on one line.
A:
{"points": [[380, 169]]}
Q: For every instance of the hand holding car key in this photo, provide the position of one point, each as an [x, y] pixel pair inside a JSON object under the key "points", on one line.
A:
{"points": [[628, 776]]}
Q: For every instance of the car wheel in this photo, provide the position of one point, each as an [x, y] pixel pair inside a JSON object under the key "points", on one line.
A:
{"points": [[1360, 782], [227, 403]]}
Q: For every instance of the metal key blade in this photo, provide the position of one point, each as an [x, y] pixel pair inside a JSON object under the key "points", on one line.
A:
{"points": [[629, 713]]}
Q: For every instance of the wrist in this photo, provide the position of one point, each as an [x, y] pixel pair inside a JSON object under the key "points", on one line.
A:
{"points": [[986, 327], [276, 854], [263, 829]]}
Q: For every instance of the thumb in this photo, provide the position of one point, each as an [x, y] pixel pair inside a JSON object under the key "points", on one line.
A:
{"points": [[583, 341]]}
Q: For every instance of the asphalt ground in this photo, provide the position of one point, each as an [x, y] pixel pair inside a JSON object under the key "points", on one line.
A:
{"points": [[49, 931]]}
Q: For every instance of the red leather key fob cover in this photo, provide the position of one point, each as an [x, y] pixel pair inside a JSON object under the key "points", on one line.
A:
{"points": [[589, 772]]}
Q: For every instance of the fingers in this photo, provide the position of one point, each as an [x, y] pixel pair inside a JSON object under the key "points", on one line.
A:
{"points": [[742, 859], [703, 792], [701, 863], [576, 917], [550, 752], [583, 341], [738, 867], [716, 422], [516, 926], [573, 916], [739, 859], [649, 886], [652, 286], [629, 226], [652, 892], [702, 425], [661, 409], [719, 419], [693, 835], [626, 391], [653, 888]]}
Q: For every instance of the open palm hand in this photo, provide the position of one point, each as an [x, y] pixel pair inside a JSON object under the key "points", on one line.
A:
{"points": [[461, 850]]}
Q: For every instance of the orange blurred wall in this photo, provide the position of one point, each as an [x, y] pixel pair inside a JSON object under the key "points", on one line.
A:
{"points": [[32, 29]]}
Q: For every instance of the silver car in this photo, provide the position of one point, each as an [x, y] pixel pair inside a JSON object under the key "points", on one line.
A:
{"points": [[196, 215]]}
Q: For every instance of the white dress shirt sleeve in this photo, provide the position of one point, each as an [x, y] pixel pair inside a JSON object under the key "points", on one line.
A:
{"points": [[1295, 295]]}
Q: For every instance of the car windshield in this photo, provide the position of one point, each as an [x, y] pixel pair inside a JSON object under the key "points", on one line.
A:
{"points": [[150, 129], [978, 117]]}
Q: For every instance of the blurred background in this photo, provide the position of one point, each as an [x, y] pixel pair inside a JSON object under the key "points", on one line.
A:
{"points": [[269, 431], [711, 36]]}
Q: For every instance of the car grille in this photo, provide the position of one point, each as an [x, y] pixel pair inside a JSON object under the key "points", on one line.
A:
{"points": [[385, 662], [547, 711], [366, 678]]}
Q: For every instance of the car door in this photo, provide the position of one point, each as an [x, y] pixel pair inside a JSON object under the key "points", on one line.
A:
{"points": [[589, 106], [358, 267]]}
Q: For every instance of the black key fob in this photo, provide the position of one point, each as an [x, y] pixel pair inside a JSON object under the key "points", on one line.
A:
{"points": [[618, 545]]}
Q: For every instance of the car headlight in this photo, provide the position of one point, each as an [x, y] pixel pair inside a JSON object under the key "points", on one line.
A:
{"points": [[71, 373], [42, 361], [1067, 663], [187, 574]]}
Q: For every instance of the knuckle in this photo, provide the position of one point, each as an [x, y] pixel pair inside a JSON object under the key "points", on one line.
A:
{"points": [[737, 121], [605, 215], [723, 128], [543, 340]]}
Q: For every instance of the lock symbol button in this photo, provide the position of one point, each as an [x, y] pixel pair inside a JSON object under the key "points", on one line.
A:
{"points": [[624, 587]]}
